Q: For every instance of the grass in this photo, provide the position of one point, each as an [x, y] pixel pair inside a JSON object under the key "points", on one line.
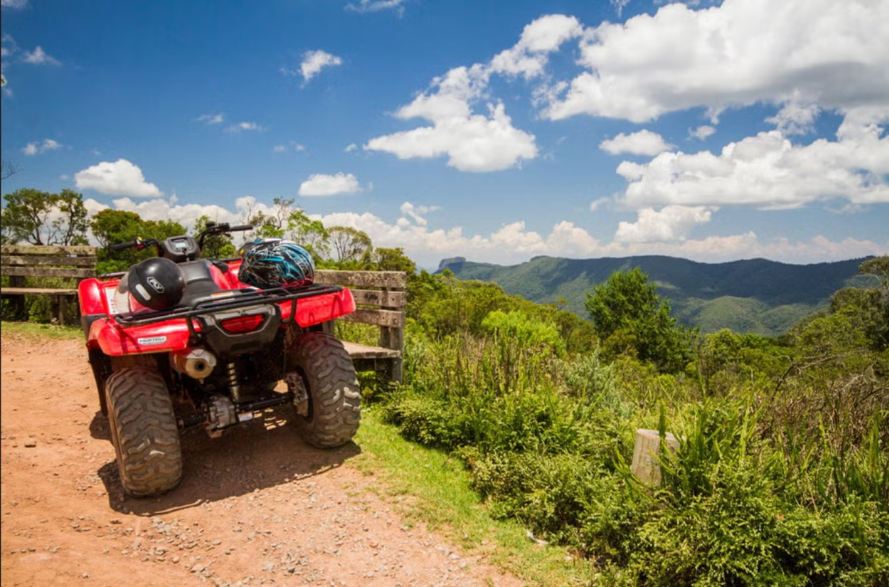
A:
{"points": [[431, 487], [33, 330]]}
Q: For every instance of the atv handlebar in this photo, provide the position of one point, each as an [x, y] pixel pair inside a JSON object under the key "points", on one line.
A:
{"points": [[213, 228], [138, 243]]}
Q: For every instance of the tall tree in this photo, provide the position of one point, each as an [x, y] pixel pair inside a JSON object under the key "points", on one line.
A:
{"points": [[349, 244], [118, 226], [42, 218], [628, 315]]}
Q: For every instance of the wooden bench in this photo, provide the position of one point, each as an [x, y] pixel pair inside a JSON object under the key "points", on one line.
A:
{"points": [[380, 297], [22, 261]]}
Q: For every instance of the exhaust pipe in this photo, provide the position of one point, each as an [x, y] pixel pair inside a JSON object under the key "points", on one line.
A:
{"points": [[194, 362]]}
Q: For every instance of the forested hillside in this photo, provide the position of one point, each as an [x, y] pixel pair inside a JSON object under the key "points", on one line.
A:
{"points": [[752, 296]]}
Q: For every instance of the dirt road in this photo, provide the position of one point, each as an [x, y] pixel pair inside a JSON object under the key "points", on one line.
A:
{"points": [[256, 507]]}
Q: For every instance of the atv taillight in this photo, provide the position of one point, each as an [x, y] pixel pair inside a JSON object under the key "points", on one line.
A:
{"points": [[243, 323]]}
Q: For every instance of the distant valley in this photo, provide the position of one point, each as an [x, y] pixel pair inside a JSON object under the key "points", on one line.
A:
{"points": [[757, 296]]}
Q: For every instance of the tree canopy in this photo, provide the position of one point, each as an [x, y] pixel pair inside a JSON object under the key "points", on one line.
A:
{"points": [[629, 316], [42, 218]]}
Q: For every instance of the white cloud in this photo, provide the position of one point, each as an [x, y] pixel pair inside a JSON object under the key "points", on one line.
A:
{"points": [[14, 4], [244, 126], [472, 142], [736, 54], [544, 35], [377, 5], [797, 116], [513, 242], [702, 132], [350, 147], [417, 212], [619, 5], [34, 148], [320, 184], [185, 214], [671, 223], [39, 57], [211, 119], [768, 171], [290, 145], [643, 142], [8, 46], [120, 178], [313, 62]]}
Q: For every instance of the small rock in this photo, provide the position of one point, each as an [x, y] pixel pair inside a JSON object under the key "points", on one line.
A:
{"points": [[30, 443]]}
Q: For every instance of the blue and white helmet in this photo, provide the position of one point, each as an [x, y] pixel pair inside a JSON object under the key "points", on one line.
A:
{"points": [[271, 263]]}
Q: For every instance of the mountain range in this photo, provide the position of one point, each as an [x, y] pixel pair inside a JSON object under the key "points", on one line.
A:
{"points": [[750, 296]]}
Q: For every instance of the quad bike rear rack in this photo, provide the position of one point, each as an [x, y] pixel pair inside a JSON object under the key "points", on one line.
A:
{"points": [[240, 298]]}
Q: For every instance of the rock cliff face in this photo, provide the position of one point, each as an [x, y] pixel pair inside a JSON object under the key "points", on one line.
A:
{"points": [[445, 263]]}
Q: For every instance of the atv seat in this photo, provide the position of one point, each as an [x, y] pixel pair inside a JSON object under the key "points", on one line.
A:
{"points": [[199, 284]]}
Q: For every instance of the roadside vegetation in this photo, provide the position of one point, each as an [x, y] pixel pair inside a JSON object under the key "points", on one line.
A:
{"points": [[782, 473]]}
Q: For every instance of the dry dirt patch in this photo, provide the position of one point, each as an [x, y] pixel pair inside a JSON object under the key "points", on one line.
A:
{"points": [[256, 507]]}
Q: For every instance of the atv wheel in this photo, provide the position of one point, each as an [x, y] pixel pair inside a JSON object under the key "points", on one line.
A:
{"points": [[144, 431], [334, 407]]}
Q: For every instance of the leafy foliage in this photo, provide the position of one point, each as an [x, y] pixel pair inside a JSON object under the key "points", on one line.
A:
{"points": [[630, 317], [755, 296], [119, 226], [41, 218]]}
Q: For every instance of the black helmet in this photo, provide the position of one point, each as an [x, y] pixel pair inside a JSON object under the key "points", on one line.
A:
{"points": [[274, 263], [155, 283]]}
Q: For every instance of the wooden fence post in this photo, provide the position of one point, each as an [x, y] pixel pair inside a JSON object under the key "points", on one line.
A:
{"points": [[648, 444]]}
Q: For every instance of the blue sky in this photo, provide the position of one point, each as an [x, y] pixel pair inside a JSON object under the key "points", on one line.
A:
{"points": [[493, 130]]}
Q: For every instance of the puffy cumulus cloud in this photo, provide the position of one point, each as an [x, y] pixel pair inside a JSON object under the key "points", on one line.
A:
{"points": [[320, 184], [736, 54], [643, 142], [120, 178], [38, 148], [529, 56], [513, 242], [768, 171], [450, 96], [474, 143], [39, 57], [185, 214], [672, 223], [313, 62]]}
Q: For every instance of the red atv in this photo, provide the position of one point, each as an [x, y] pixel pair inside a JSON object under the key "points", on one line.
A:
{"points": [[212, 355]]}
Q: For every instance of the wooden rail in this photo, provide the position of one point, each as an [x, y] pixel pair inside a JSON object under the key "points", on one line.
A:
{"points": [[382, 305], [20, 262]]}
